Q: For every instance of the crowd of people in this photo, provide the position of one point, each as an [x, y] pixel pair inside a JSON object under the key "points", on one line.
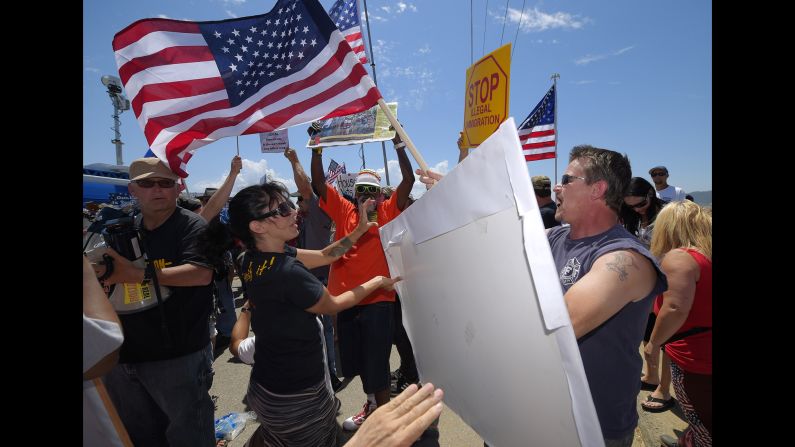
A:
{"points": [[634, 262]]}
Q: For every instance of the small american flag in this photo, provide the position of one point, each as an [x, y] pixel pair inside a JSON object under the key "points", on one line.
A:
{"points": [[334, 170], [537, 132], [192, 83], [345, 14]]}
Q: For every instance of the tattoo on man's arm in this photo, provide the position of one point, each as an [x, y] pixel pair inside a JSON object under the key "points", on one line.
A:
{"points": [[619, 264], [344, 245]]}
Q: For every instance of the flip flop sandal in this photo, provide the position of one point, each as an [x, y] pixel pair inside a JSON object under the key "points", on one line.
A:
{"points": [[666, 404], [646, 386]]}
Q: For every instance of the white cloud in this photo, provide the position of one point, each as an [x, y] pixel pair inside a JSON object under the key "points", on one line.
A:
{"points": [[163, 16], [401, 7], [587, 59], [251, 174], [382, 49], [92, 69], [395, 176], [236, 2], [386, 9], [590, 81], [536, 21], [425, 49], [230, 14]]}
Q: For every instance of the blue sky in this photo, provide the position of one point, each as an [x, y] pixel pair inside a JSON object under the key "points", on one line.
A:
{"points": [[635, 77]]}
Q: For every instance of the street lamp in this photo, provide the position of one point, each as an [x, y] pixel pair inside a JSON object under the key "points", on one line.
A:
{"points": [[120, 104]]}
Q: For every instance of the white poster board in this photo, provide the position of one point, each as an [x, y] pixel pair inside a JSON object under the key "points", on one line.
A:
{"points": [[483, 307], [272, 142]]}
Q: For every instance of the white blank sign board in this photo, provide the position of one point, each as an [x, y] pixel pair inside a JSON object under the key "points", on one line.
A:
{"points": [[483, 307]]}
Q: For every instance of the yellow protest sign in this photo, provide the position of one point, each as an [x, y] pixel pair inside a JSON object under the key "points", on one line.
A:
{"points": [[486, 96]]}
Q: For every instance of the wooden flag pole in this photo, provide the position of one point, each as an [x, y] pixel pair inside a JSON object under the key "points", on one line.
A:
{"points": [[112, 414], [403, 135]]}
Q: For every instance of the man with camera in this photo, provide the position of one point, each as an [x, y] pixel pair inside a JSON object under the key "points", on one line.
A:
{"points": [[161, 385]]}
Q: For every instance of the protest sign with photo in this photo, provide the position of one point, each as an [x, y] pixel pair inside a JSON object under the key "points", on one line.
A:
{"points": [[363, 127]]}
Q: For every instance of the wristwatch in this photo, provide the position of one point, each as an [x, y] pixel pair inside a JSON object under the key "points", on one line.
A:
{"points": [[317, 150]]}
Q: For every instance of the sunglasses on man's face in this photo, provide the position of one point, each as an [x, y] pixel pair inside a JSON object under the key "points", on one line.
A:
{"points": [[658, 174], [284, 209], [565, 179], [149, 183], [368, 189]]}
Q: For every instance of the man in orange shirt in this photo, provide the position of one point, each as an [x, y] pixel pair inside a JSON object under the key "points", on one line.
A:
{"points": [[365, 330]]}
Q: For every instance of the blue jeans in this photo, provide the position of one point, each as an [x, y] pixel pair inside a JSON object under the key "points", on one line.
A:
{"points": [[227, 319], [331, 354], [166, 402]]}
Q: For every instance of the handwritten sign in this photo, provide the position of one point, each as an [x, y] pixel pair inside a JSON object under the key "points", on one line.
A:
{"points": [[274, 141], [345, 183]]}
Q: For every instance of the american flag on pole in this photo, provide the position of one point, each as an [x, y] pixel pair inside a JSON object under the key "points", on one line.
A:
{"points": [[537, 132], [334, 170], [192, 83], [345, 14]]}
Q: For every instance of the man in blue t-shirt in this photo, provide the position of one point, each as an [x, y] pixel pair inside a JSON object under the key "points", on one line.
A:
{"points": [[609, 280]]}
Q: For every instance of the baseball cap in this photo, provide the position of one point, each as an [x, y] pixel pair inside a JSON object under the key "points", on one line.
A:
{"points": [[150, 167]]}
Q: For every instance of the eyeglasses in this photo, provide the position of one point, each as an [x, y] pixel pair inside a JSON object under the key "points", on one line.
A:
{"points": [[284, 209], [659, 174], [640, 204], [368, 189], [565, 179], [163, 183]]}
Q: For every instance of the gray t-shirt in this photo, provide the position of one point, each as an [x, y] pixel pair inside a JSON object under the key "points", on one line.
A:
{"points": [[610, 352], [315, 234]]}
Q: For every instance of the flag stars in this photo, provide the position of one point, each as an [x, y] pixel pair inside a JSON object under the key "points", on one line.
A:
{"points": [[217, 35], [298, 17], [268, 22], [260, 43], [249, 39], [239, 58], [230, 41], [238, 82], [287, 67], [300, 55], [290, 55], [303, 42], [274, 33], [253, 29], [225, 49], [236, 33], [245, 73], [271, 74], [270, 44], [313, 43], [233, 67], [306, 30], [256, 54], [277, 20], [244, 49]]}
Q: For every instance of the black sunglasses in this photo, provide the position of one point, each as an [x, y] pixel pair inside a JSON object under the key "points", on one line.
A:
{"points": [[284, 209], [658, 174], [640, 204], [368, 189], [163, 183], [565, 179]]}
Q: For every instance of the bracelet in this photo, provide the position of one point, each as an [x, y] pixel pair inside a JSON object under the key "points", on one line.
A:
{"points": [[317, 150], [400, 145]]}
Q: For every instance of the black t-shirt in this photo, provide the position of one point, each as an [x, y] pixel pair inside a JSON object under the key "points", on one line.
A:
{"points": [[288, 352], [187, 309], [548, 215]]}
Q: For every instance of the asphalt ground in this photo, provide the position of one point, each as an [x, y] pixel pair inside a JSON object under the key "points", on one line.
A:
{"points": [[231, 381]]}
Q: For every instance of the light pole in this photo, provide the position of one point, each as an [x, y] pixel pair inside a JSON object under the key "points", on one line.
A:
{"points": [[120, 104]]}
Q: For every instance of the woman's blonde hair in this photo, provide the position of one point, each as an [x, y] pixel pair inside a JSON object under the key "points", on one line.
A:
{"points": [[682, 224]]}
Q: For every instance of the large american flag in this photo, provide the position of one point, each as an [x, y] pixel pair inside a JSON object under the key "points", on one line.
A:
{"points": [[345, 14], [537, 132], [334, 170], [192, 83]]}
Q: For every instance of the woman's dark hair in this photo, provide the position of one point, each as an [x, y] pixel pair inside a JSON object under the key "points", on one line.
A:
{"points": [[245, 206], [640, 187]]}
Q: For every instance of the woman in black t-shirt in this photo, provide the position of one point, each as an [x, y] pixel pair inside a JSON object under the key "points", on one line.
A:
{"points": [[289, 387]]}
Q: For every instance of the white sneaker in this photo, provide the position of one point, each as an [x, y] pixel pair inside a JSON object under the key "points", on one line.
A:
{"points": [[354, 422]]}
